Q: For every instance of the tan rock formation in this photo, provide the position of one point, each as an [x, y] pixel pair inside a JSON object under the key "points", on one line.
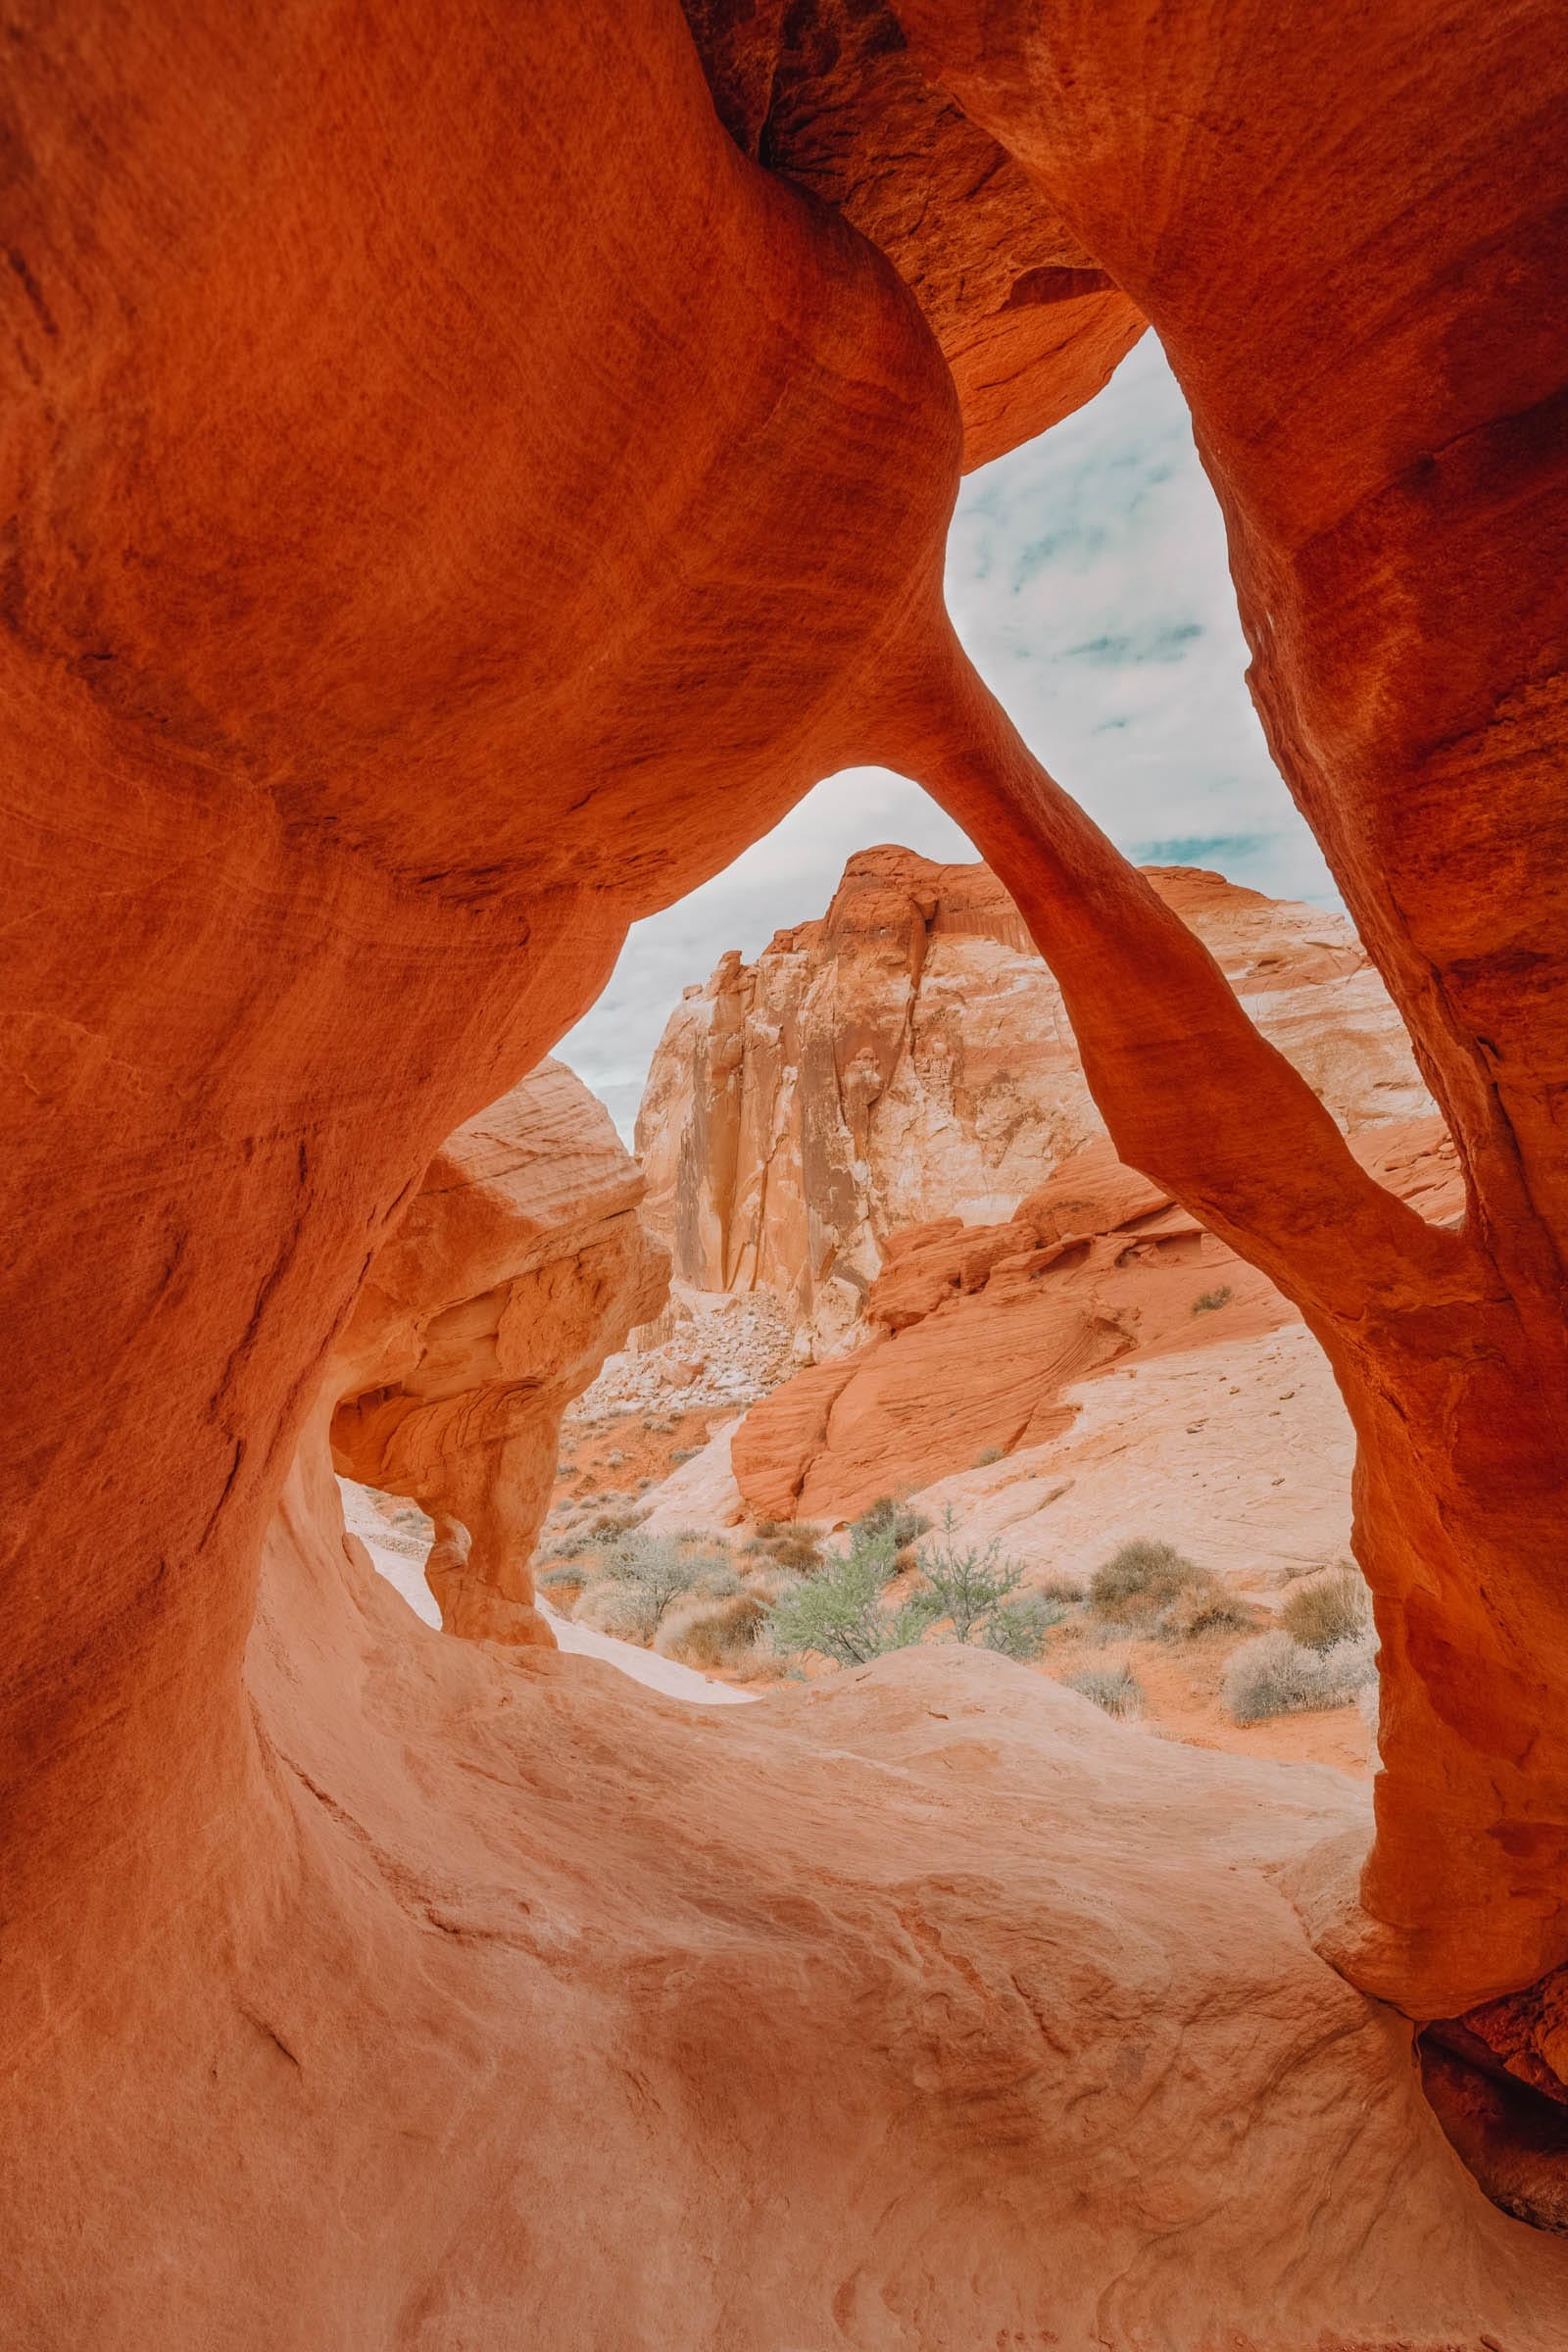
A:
{"points": [[910, 1057], [520, 1265]]}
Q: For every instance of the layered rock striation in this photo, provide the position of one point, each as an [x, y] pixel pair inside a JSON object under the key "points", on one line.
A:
{"points": [[909, 1057], [519, 1266]]}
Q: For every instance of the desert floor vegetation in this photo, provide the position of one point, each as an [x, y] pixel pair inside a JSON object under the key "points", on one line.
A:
{"points": [[1277, 1675], [1149, 1586], [714, 1630], [955, 1591], [1330, 1609], [794, 1545], [1114, 1688], [638, 1578]]}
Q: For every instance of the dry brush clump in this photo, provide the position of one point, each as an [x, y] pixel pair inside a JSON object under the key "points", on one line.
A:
{"points": [[1151, 1588], [895, 1516], [1115, 1690], [714, 1630], [1330, 1610], [794, 1545], [1276, 1675]]}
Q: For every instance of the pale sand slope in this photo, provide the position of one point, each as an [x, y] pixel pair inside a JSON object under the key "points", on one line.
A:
{"points": [[401, 1561], [1238, 1453]]}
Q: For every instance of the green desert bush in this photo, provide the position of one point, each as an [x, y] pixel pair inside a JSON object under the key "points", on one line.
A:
{"points": [[1154, 1589], [1113, 1688], [967, 1582], [641, 1575], [838, 1613], [1275, 1674], [1330, 1610], [1018, 1628], [714, 1630], [989, 1454], [1206, 1302], [975, 1591]]}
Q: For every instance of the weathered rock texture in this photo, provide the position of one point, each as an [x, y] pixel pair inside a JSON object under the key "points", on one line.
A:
{"points": [[455, 499], [520, 1265], [829, 93], [909, 1057], [994, 1338]]}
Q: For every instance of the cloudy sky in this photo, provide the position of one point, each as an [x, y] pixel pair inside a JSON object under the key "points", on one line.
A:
{"points": [[1086, 574]]}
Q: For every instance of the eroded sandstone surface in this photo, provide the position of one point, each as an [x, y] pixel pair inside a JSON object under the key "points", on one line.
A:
{"points": [[519, 1266], [456, 496]]}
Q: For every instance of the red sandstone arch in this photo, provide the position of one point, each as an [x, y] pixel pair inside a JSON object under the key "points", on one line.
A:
{"points": [[455, 502]]}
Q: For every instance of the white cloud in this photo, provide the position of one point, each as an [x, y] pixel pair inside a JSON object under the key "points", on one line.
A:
{"points": [[1087, 577]]}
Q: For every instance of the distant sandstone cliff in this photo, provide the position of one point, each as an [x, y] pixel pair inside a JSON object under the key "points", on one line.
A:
{"points": [[908, 1058]]}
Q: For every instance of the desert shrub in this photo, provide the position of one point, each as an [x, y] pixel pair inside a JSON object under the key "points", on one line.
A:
{"points": [[1138, 1581], [1208, 1301], [1063, 1589], [1158, 1590], [611, 1524], [684, 1453], [613, 1458], [966, 1583], [714, 1630], [1330, 1610], [1018, 1628], [991, 1454], [621, 1609], [975, 1590], [1278, 1676], [839, 1614], [898, 1520], [788, 1544], [653, 1572], [1113, 1688], [1202, 1606], [565, 1469]]}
